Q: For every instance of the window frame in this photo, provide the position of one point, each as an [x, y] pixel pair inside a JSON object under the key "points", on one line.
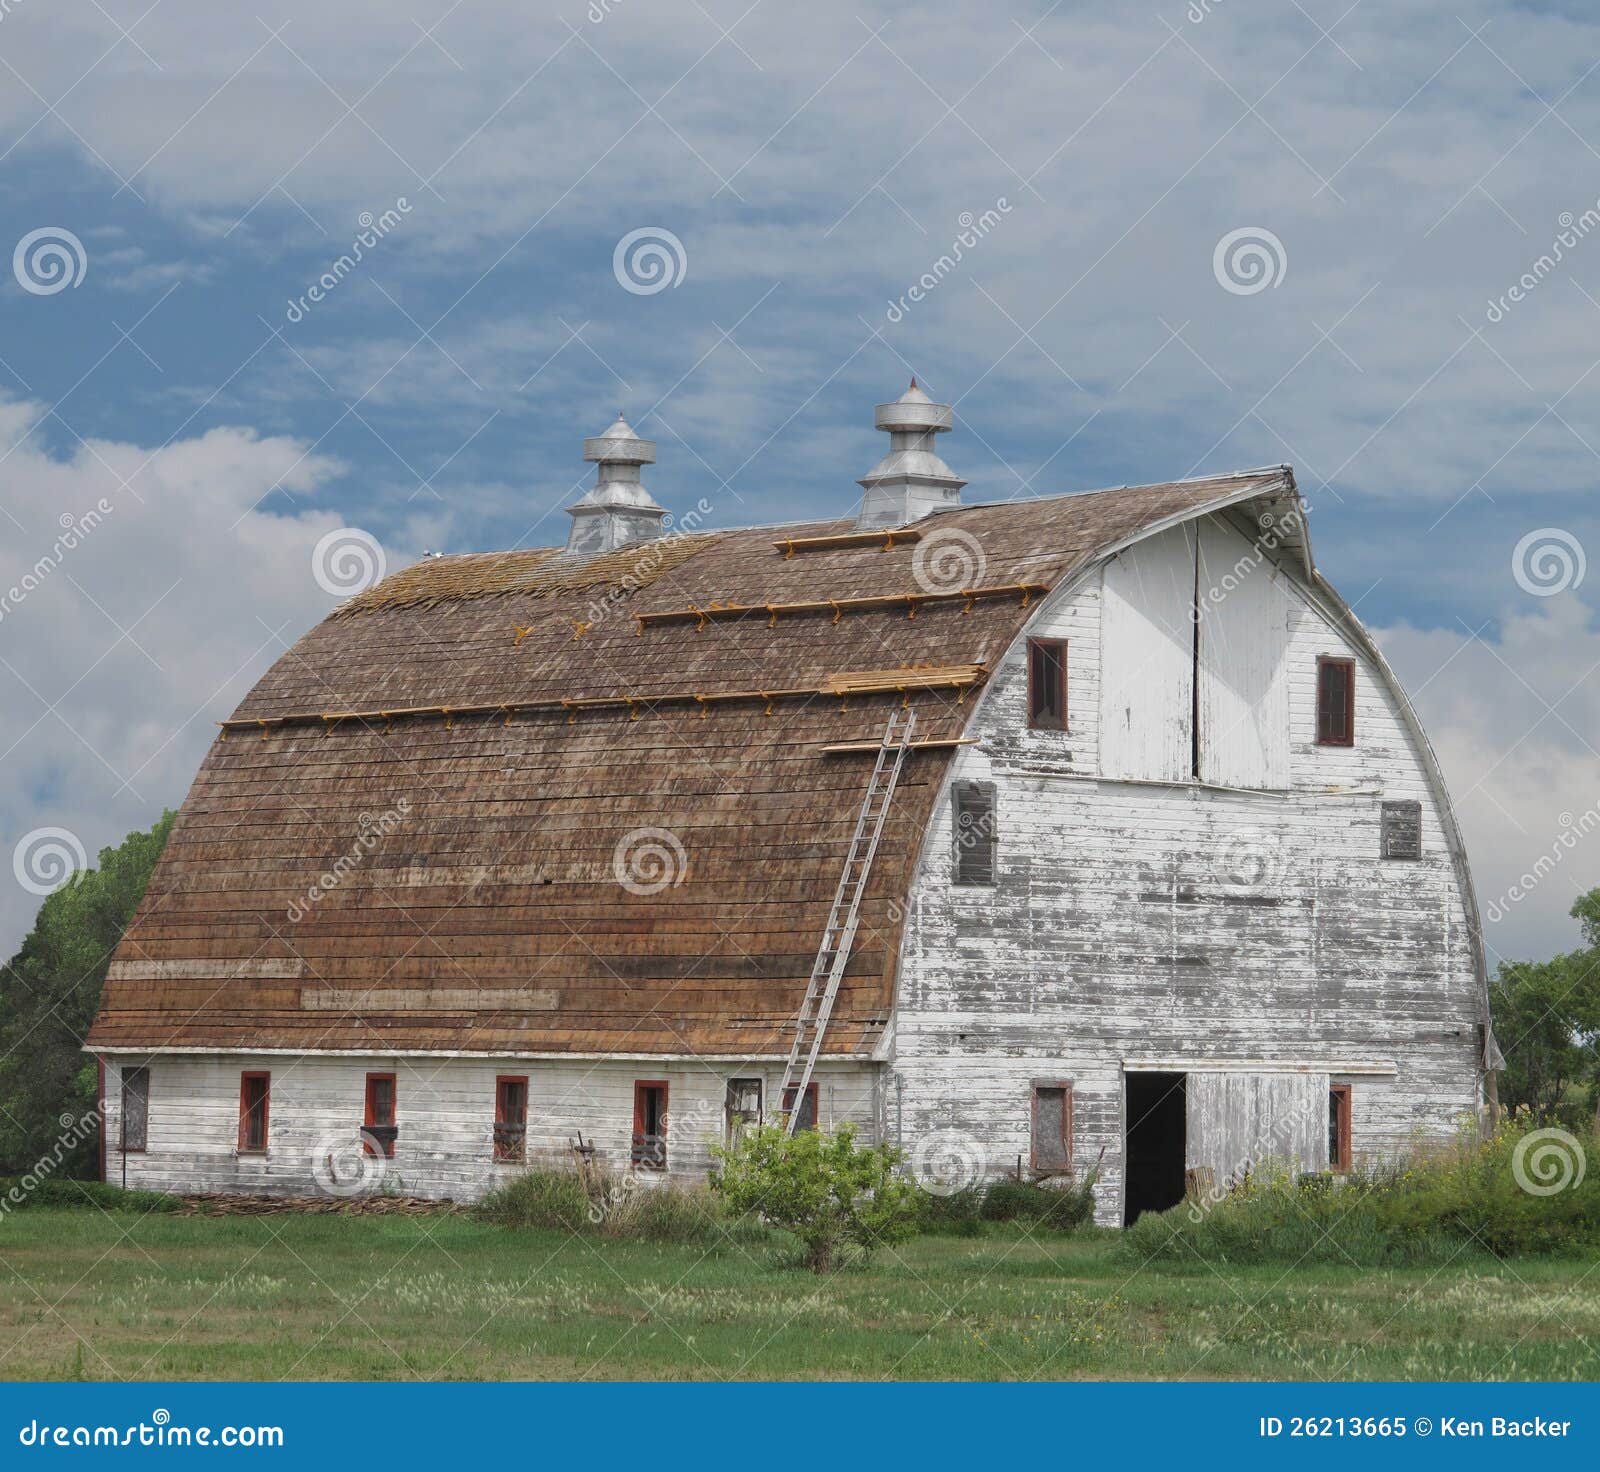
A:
{"points": [[246, 1078], [505, 1148], [1037, 719], [1339, 1121], [730, 1115], [813, 1096], [958, 850], [385, 1142], [639, 1154], [1035, 1087], [127, 1072], [1347, 736]]}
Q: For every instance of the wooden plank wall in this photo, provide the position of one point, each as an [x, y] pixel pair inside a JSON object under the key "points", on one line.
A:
{"points": [[445, 1113], [1181, 921]]}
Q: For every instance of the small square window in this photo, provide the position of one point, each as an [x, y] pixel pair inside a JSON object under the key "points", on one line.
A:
{"points": [[743, 1107], [1052, 1126], [650, 1125], [1402, 830], [807, 1119]]}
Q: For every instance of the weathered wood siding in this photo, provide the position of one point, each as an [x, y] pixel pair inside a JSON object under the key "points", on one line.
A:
{"points": [[1240, 1121], [445, 1113], [1135, 920]]}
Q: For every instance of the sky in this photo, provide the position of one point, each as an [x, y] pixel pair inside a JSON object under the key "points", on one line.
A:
{"points": [[1129, 244]]}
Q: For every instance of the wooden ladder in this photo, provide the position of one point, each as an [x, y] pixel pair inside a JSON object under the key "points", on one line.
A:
{"points": [[839, 935]]}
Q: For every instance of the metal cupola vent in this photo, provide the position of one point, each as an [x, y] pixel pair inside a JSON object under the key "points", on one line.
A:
{"points": [[911, 480], [616, 509]]}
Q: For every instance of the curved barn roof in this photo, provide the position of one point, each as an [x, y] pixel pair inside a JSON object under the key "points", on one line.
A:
{"points": [[421, 831]]}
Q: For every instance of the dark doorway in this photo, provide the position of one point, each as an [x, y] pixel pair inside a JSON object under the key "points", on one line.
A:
{"points": [[1156, 1132]]}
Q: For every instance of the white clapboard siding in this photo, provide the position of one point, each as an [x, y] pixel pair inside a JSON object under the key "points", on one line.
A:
{"points": [[1245, 615], [444, 1108], [1147, 659], [1243, 1124], [1132, 919]]}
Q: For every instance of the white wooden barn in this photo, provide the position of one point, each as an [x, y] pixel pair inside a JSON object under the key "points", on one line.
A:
{"points": [[521, 848]]}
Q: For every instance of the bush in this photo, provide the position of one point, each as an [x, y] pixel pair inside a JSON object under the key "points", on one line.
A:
{"points": [[59, 1191], [1471, 1196], [827, 1190], [1060, 1207], [598, 1203]]}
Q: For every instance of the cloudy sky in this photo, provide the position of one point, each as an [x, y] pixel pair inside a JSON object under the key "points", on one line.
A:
{"points": [[1219, 234]]}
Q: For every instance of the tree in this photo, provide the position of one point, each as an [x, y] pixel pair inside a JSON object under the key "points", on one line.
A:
{"points": [[824, 1188], [49, 992], [1547, 1019]]}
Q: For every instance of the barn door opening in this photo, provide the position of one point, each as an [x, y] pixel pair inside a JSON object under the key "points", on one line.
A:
{"points": [[1153, 1153]]}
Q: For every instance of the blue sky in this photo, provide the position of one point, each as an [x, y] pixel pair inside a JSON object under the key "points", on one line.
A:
{"points": [[1404, 171]]}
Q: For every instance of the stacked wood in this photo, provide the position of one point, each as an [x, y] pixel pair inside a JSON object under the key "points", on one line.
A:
{"points": [[210, 1203]]}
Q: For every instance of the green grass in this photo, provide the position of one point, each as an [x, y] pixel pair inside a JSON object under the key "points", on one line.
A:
{"points": [[103, 1296]]}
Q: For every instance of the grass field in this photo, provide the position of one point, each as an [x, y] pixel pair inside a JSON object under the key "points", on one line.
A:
{"points": [[85, 1294]]}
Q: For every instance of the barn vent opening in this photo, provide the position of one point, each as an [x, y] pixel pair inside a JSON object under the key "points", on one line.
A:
{"points": [[1153, 1157]]}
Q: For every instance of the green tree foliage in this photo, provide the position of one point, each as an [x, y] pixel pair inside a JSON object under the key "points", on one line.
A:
{"points": [[48, 995], [1547, 1020], [826, 1189]]}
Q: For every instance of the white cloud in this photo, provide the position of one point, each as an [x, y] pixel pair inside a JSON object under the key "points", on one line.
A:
{"points": [[1515, 718], [124, 639]]}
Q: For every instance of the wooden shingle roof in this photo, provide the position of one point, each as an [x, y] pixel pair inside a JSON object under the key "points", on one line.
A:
{"points": [[415, 831]]}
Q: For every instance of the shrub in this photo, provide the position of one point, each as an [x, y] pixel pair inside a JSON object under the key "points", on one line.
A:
{"points": [[1060, 1207], [59, 1191], [827, 1190], [1471, 1196], [596, 1202]]}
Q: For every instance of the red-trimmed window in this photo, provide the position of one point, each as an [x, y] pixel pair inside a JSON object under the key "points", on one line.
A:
{"points": [[510, 1116], [808, 1107], [379, 1127], [1336, 702], [255, 1094], [650, 1124], [1047, 684], [1052, 1125], [1339, 1127]]}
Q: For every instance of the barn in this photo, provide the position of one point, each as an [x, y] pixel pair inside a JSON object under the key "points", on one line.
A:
{"points": [[1084, 832]]}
